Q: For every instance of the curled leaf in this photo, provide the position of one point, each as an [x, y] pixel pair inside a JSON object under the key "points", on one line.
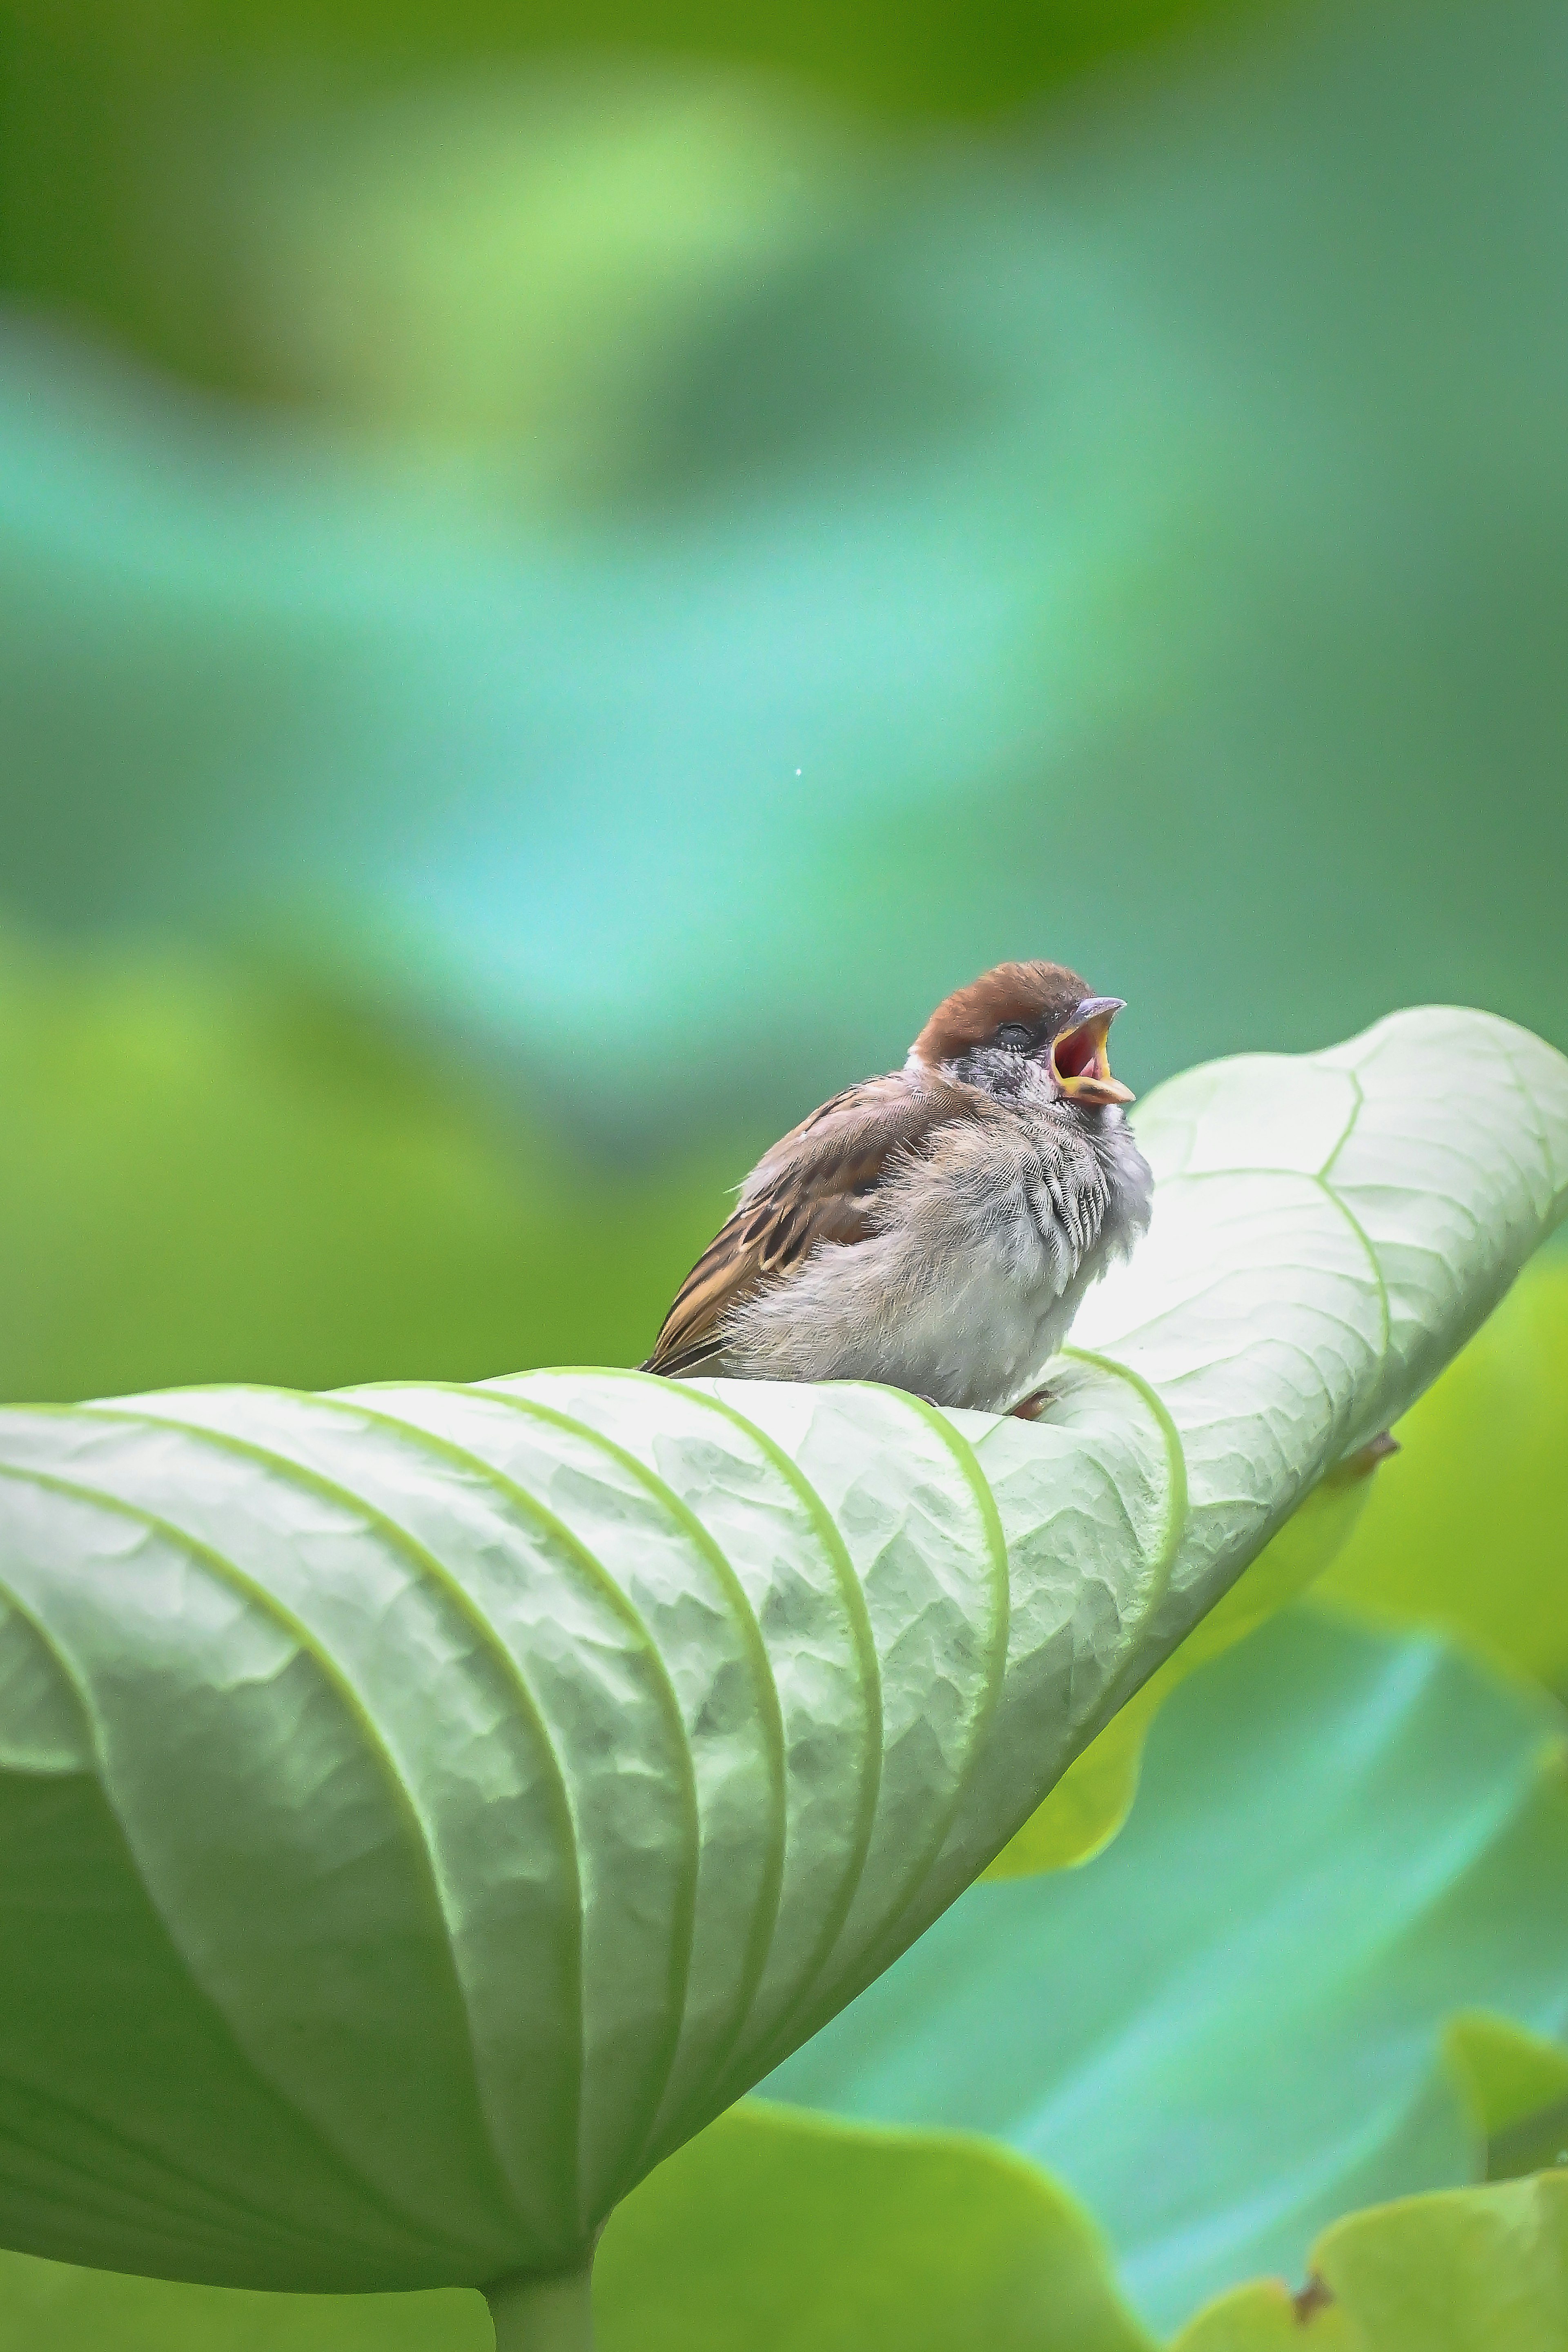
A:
{"points": [[475, 1790]]}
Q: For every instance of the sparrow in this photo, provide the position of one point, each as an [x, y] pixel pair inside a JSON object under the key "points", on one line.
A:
{"points": [[936, 1228]]}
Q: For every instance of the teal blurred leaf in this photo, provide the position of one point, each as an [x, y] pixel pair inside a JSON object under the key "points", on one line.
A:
{"points": [[1225, 2031], [779, 2230], [1187, 468], [486, 1785]]}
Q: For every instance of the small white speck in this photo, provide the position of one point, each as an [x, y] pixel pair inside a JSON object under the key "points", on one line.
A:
{"points": [[797, 772]]}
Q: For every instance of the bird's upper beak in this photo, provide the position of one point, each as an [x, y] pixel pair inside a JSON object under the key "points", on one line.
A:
{"points": [[1080, 1062]]}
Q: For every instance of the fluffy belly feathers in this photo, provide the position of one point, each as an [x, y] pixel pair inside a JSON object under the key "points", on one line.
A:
{"points": [[984, 1252]]}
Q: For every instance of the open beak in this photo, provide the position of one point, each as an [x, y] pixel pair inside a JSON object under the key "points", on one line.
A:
{"points": [[1080, 1062]]}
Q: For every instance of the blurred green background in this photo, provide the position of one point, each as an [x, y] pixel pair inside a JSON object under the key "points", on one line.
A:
{"points": [[563, 575]]}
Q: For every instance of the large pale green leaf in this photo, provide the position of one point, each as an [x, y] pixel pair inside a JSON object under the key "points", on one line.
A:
{"points": [[486, 1785], [778, 2230], [1094, 1795]]}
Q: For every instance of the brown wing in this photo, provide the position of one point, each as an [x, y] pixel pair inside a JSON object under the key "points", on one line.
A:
{"points": [[814, 1185]]}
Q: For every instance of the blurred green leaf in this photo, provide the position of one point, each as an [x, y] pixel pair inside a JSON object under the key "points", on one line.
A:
{"points": [[1482, 2270], [1469, 1527], [520, 273], [1452, 2273], [776, 2233], [772, 2234], [1510, 2074], [1223, 2032], [126, 129], [779, 2232], [210, 1175], [1518, 2082], [1536, 2143], [1265, 2317]]}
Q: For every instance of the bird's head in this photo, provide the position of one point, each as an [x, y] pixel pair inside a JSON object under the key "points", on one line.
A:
{"points": [[1025, 1023]]}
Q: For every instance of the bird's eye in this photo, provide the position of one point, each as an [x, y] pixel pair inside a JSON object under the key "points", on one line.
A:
{"points": [[1015, 1035]]}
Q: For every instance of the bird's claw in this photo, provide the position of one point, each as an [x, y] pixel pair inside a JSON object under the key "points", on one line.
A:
{"points": [[1365, 1460]]}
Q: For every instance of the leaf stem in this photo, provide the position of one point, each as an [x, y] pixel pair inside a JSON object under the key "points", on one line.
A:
{"points": [[542, 2315]]}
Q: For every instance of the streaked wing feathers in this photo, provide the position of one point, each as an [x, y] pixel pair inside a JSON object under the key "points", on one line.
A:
{"points": [[815, 1184]]}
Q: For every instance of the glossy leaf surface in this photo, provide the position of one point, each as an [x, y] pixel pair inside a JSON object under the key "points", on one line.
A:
{"points": [[486, 1785]]}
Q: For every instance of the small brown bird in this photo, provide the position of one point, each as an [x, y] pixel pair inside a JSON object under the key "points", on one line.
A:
{"points": [[934, 1229]]}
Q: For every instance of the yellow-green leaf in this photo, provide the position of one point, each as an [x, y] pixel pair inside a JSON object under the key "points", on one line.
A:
{"points": [[1470, 1528]]}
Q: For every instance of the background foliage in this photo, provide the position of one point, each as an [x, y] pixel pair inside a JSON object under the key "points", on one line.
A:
{"points": [[561, 577]]}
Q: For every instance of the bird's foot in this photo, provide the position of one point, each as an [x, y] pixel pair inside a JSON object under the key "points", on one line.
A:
{"points": [[1365, 1460], [1031, 1407]]}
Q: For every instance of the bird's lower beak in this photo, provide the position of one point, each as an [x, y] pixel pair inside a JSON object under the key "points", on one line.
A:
{"points": [[1080, 1062]]}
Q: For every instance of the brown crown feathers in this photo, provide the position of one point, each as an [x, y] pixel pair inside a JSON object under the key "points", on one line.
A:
{"points": [[1040, 996]]}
